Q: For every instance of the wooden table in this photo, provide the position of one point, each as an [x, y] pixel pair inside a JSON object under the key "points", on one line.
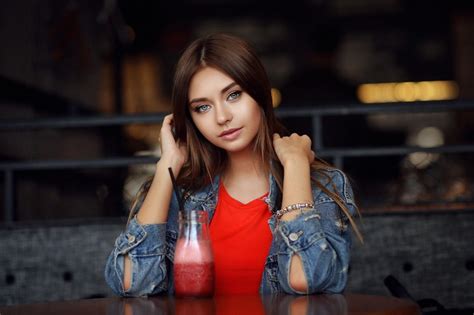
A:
{"points": [[348, 304]]}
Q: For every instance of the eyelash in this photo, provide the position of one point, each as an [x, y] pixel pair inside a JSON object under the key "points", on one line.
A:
{"points": [[198, 109], [232, 96], [237, 93]]}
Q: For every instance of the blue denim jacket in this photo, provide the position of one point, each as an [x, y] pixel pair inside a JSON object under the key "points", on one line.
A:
{"points": [[320, 236]]}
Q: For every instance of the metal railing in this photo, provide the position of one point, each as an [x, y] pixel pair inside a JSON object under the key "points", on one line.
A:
{"points": [[316, 114]]}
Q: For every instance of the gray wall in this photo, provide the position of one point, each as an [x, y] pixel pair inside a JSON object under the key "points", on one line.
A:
{"points": [[54, 263], [428, 253], [66, 262]]}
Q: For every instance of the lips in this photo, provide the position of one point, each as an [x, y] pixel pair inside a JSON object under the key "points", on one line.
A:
{"points": [[229, 131]]}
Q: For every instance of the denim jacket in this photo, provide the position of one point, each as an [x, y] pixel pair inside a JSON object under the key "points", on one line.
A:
{"points": [[320, 236]]}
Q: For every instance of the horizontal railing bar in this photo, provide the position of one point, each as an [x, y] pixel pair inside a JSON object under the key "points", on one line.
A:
{"points": [[117, 120], [72, 164], [421, 107], [383, 151], [116, 162], [78, 122]]}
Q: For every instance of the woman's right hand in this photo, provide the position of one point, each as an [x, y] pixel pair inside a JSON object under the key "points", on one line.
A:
{"points": [[173, 153]]}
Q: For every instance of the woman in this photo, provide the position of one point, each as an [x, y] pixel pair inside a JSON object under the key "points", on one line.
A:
{"points": [[279, 217]]}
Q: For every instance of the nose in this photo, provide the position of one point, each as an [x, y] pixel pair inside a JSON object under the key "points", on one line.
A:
{"points": [[223, 114]]}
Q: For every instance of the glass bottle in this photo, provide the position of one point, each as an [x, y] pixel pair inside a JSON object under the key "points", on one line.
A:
{"points": [[193, 260]]}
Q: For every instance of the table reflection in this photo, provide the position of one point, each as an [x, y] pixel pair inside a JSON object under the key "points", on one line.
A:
{"points": [[276, 304], [348, 304]]}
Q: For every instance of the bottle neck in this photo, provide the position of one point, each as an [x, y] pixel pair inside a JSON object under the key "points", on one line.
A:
{"points": [[193, 225]]}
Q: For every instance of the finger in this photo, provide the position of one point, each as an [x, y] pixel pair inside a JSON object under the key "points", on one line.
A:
{"points": [[168, 119], [276, 136], [167, 126], [306, 139]]}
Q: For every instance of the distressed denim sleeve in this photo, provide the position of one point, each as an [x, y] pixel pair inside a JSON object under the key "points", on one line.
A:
{"points": [[146, 247], [321, 238]]}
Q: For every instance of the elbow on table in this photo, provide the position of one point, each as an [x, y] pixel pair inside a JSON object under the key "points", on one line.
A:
{"points": [[299, 284], [112, 280], [332, 280], [148, 282], [336, 284]]}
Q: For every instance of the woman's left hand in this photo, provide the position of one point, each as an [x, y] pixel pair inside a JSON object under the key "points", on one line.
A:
{"points": [[294, 148]]}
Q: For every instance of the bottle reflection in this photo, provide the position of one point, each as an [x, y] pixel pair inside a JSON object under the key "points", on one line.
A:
{"points": [[195, 306], [226, 305]]}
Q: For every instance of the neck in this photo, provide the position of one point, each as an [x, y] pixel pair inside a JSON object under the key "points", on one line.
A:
{"points": [[246, 163]]}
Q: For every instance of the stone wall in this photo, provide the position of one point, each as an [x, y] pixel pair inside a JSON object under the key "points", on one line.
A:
{"points": [[50, 263], [430, 254]]}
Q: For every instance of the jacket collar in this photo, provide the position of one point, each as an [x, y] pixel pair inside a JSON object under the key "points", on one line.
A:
{"points": [[210, 193]]}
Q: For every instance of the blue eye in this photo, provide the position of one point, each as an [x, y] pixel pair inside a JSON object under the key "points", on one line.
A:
{"points": [[234, 95], [201, 108]]}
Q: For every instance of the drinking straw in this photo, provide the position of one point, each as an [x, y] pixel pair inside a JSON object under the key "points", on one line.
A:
{"points": [[176, 190]]}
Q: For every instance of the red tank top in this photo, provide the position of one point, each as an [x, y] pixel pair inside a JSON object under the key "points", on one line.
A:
{"points": [[241, 240]]}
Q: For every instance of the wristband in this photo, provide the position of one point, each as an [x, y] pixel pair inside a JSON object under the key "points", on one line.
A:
{"points": [[293, 207]]}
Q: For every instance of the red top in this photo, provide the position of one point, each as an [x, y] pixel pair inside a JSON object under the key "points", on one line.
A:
{"points": [[241, 240]]}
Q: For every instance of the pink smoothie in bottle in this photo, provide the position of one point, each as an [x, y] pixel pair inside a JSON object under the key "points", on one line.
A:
{"points": [[193, 260]]}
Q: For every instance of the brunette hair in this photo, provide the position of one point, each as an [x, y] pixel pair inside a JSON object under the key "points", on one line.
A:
{"points": [[236, 58]]}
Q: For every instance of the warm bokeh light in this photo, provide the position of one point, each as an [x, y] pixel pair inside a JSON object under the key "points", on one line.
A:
{"points": [[276, 97], [428, 137], [407, 91]]}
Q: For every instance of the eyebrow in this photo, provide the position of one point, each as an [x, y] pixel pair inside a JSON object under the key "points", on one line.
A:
{"points": [[225, 89]]}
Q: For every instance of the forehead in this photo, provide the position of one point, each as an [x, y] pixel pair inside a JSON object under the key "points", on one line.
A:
{"points": [[208, 81]]}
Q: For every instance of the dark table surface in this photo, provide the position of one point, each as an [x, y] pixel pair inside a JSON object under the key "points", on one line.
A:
{"points": [[277, 304]]}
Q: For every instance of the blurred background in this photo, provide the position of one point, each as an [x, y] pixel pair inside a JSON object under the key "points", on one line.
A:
{"points": [[385, 88]]}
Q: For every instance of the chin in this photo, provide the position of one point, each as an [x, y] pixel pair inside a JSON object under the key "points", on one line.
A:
{"points": [[235, 148]]}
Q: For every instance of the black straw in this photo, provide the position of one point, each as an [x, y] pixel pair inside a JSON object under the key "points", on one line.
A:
{"points": [[176, 190]]}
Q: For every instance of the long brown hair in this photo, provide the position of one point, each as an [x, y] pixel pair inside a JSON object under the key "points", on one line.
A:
{"points": [[236, 58], [239, 61]]}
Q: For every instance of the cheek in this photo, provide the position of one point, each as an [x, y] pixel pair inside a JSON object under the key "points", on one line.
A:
{"points": [[201, 126], [255, 116]]}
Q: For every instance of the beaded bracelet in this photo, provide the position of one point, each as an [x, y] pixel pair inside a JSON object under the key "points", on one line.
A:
{"points": [[293, 207]]}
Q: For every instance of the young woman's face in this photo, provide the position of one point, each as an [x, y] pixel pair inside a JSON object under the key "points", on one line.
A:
{"points": [[226, 116]]}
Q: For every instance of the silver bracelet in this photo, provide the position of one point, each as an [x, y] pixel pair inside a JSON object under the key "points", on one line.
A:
{"points": [[293, 207]]}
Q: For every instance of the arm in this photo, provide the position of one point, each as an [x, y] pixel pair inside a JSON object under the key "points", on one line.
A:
{"points": [[296, 189], [154, 209], [136, 266], [295, 155], [316, 253]]}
